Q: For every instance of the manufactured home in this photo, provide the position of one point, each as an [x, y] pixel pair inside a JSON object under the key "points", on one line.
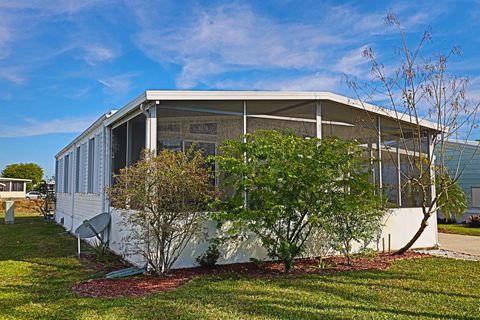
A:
{"points": [[462, 159], [159, 119], [13, 188]]}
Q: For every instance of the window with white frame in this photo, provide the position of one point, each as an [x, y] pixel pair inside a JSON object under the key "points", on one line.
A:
{"points": [[128, 142], [91, 164], [77, 169], [475, 197], [66, 163], [4, 186], [17, 186]]}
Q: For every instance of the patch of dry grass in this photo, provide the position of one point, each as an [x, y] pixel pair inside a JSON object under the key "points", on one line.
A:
{"points": [[23, 207]]}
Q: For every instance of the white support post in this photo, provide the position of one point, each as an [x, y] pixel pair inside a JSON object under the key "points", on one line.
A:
{"points": [[244, 117], [107, 161], [151, 142], [379, 156], [399, 179], [318, 113]]}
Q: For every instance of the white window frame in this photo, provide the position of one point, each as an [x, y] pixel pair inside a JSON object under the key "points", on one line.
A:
{"points": [[475, 190]]}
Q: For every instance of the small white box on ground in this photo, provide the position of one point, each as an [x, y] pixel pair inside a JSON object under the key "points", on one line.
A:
{"points": [[9, 212]]}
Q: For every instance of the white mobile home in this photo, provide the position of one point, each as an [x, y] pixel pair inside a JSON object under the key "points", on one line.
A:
{"points": [[174, 119], [13, 188]]}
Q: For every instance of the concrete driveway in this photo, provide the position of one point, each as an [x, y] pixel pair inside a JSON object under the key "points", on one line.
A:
{"points": [[460, 243]]}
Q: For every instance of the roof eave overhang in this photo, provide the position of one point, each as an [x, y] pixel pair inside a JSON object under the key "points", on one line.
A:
{"points": [[162, 95]]}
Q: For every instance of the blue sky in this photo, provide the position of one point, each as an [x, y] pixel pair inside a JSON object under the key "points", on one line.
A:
{"points": [[64, 63]]}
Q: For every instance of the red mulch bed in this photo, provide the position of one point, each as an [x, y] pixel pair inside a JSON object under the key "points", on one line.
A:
{"points": [[147, 284]]}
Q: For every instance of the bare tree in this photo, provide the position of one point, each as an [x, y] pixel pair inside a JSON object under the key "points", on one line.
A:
{"points": [[421, 90], [164, 198]]}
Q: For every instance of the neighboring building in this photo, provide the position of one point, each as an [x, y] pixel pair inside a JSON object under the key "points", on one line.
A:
{"points": [[12, 188], [175, 119], [463, 158]]}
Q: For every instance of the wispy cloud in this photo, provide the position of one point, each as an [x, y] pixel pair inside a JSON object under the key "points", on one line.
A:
{"points": [[49, 7], [231, 38], [117, 84], [34, 127], [353, 63], [223, 39], [28, 21], [315, 82], [12, 74], [98, 53]]}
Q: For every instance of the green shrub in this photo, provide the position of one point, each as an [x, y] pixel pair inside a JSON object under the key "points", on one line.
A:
{"points": [[209, 258]]}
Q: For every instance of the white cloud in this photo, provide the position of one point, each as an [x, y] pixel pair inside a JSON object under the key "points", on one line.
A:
{"points": [[315, 82], [231, 38], [214, 41], [34, 127], [27, 24], [98, 53], [12, 74], [51, 7], [117, 84], [353, 63]]}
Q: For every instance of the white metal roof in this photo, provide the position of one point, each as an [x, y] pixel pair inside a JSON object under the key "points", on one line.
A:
{"points": [[159, 95], [15, 179]]}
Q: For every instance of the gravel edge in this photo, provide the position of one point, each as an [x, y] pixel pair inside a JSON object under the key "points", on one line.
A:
{"points": [[450, 254]]}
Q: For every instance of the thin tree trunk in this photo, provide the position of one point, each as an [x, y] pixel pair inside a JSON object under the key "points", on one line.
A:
{"points": [[417, 235]]}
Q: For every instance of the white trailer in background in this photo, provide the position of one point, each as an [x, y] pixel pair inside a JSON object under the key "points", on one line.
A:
{"points": [[13, 188]]}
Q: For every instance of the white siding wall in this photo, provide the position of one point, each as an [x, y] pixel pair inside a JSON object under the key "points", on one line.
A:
{"points": [[75, 207]]}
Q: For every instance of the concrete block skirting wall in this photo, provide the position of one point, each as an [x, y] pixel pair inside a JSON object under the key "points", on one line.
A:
{"points": [[400, 224]]}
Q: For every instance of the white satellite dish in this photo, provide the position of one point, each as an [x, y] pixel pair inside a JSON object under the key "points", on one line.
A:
{"points": [[93, 228]]}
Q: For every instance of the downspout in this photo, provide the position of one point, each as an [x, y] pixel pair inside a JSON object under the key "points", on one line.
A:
{"points": [[148, 142], [73, 181], [144, 110], [106, 170]]}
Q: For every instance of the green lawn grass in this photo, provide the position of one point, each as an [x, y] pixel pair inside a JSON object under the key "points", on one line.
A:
{"points": [[459, 229], [38, 267]]}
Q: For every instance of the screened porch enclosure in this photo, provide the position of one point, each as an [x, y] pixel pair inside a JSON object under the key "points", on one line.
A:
{"points": [[178, 125]]}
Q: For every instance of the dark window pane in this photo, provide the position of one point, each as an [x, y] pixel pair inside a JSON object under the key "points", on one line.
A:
{"points": [[167, 127], [66, 163], [119, 148], [17, 186], [136, 138], [91, 164], [204, 128], [173, 145]]}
